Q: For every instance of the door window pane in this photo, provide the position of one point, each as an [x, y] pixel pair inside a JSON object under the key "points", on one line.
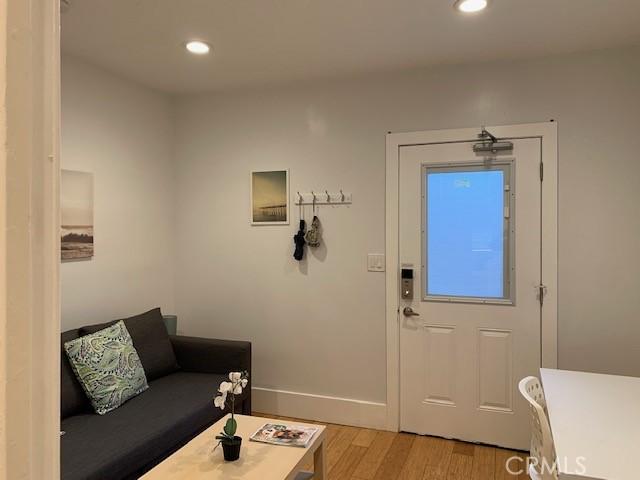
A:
{"points": [[467, 232]]}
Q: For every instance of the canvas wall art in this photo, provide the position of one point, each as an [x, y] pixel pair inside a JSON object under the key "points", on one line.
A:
{"points": [[76, 205], [270, 197]]}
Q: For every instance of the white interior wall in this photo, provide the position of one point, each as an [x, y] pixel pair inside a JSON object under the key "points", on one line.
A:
{"points": [[123, 134], [318, 326]]}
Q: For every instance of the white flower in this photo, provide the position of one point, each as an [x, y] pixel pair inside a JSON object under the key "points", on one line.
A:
{"points": [[235, 376], [237, 390], [225, 387], [220, 401], [244, 382]]}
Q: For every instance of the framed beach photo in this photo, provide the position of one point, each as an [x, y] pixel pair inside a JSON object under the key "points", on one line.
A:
{"points": [[76, 208], [270, 197]]}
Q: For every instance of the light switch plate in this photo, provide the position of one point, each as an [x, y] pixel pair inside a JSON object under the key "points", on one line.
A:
{"points": [[375, 262]]}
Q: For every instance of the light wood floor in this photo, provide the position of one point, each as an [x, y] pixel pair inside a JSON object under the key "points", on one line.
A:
{"points": [[362, 454]]}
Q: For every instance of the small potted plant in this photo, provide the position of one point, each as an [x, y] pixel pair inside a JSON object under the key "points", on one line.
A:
{"points": [[227, 397]]}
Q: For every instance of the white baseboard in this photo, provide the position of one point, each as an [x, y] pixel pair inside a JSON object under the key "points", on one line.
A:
{"points": [[322, 408]]}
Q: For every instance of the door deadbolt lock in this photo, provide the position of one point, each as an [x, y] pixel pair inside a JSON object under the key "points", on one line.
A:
{"points": [[406, 283]]}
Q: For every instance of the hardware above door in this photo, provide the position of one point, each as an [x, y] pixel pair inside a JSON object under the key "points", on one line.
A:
{"points": [[491, 144]]}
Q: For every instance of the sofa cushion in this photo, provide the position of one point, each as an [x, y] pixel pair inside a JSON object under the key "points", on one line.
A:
{"points": [[151, 340], [108, 367], [72, 397], [129, 440]]}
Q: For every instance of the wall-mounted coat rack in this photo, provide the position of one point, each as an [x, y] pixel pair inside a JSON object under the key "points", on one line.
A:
{"points": [[322, 197]]}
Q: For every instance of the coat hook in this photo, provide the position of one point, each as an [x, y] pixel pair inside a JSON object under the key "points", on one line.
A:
{"points": [[342, 195], [328, 196], [299, 197]]}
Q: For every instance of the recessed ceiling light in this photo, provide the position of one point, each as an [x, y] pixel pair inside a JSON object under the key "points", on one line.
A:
{"points": [[470, 6], [197, 47]]}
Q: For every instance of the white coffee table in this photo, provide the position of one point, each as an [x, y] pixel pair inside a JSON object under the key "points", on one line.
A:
{"points": [[258, 461]]}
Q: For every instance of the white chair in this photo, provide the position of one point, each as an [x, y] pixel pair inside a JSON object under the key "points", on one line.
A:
{"points": [[542, 452]]}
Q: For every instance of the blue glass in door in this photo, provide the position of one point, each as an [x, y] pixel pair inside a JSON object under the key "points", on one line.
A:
{"points": [[465, 233]]}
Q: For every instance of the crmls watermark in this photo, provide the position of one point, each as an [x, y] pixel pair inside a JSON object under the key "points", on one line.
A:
{"points": [[518, 465]]}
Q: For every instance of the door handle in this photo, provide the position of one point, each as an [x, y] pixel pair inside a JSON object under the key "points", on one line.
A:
{"points": [[408, 312]]}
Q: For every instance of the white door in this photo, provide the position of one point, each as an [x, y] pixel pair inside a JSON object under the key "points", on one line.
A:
{"points": [[470, 235]]}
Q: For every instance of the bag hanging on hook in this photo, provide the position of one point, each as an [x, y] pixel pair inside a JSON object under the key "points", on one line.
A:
{"points": [[313, 235], [298, 240]]}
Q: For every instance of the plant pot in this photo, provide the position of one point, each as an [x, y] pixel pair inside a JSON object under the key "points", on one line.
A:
{"points": [[231, 449]]}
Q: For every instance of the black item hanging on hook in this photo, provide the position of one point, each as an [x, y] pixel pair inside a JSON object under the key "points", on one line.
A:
{"points": [[298, 240]]}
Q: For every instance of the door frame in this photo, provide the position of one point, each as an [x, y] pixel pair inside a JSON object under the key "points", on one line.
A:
{"points": [[547, 132], [30, 239]]}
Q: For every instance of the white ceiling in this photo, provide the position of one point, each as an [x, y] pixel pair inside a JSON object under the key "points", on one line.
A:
{"points": [[258, 42]]}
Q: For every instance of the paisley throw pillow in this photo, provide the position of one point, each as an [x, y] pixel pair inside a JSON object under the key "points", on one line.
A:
{"points": [[107, 366]]}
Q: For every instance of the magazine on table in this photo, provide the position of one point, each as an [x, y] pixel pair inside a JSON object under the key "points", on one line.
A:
{"points": [[280, 434]]}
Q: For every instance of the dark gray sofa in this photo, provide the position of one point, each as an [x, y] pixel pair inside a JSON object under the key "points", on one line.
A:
{"points": [[183, 375]]}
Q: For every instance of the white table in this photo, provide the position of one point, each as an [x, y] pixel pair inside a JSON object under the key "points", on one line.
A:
{"points": [[595, 418], [258, 461]]}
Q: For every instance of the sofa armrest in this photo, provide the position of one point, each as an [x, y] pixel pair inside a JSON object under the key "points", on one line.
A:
{"points": [[209, 355]]}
